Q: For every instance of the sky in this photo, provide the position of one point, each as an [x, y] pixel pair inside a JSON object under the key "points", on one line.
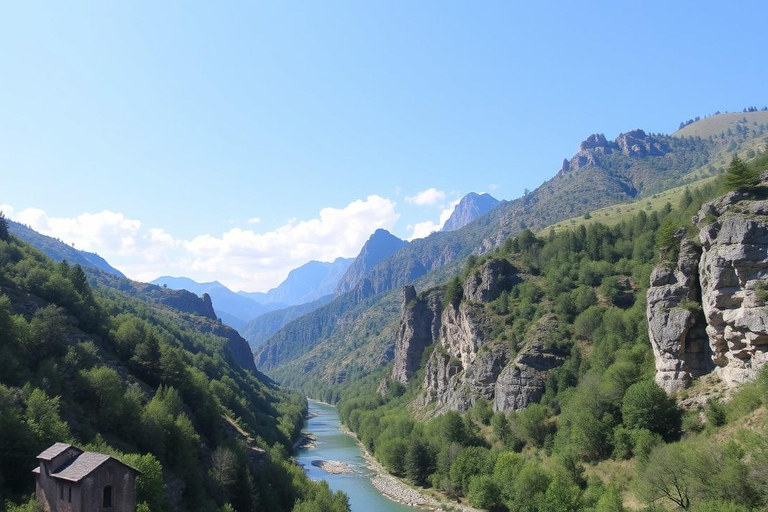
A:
{"points": [[234, 141]]}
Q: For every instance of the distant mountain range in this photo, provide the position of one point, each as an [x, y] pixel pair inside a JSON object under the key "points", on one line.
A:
{"points": [[304, 284], [470, 207], [58, 250], [233, 309]]}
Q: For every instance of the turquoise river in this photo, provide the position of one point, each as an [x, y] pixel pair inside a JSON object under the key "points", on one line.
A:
{"points": [[333, 444]]}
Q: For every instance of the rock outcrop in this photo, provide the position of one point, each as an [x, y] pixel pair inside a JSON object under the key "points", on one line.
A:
{"points": [[676, 324], [419, 325], [522, 382], [708, 312], [490, 280], [734, 276], [465, 363]]}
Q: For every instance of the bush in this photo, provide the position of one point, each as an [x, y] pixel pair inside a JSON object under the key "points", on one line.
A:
{"points": [[647, 406]]}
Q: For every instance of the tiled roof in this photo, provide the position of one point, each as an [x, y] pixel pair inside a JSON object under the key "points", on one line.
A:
{"points": [[36, 470], [54, 450], [81, 466]]}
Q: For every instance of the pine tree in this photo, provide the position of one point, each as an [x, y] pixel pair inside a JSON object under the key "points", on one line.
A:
{"points": [[4, 235], [740, 177]]}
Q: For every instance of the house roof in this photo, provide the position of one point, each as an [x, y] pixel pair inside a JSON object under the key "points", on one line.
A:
{"points": [[78, 466], [54, 450], [81, 466]]}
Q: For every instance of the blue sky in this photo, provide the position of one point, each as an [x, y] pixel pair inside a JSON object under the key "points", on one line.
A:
{"points": [[183, 120]]}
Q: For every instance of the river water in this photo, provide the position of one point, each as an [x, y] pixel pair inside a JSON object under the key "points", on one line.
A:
{"points": [[333, 444]]}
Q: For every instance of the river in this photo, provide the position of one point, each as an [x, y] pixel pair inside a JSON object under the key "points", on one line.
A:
{"points": [[333, 444]]}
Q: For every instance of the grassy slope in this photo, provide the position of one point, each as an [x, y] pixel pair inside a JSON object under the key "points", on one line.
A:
{"points": [[715, 125]]}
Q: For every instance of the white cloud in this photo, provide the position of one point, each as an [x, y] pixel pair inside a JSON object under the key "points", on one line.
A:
{"points": [[493, 186], [254, 220], [7, 210], [240, 258], [428, 197], [424, 229]]}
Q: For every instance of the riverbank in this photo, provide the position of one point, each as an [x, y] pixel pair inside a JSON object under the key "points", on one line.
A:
{"points": [[305, 440], [400, 491]]}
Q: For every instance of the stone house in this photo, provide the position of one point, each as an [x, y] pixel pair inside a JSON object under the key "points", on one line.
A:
{"points": [[72, 480]]}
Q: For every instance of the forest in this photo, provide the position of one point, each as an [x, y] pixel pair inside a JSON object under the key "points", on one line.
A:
{"points": [[89, 365]]}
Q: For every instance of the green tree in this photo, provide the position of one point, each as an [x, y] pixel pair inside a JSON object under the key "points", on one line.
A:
{"points": [[646, 405], [453, 292], [484, 492], [740, 177], [418, 462], [561, 496], [43, 418], [4, 234]]}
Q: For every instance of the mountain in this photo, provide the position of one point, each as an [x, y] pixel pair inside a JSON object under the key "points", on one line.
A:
{"points": [[379, 246], [233, 309], [59, 251], [547, 345], [304, 284], [353, 335], [470, 207], [148, 376], [261, 328]]}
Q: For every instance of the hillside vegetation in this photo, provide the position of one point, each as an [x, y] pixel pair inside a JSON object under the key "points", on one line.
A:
{"points": [[603, 436], [117, 373], [353, 336]]}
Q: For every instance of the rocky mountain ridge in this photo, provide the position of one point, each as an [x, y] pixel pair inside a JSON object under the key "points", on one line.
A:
{"points": [[617, 172], [470, 207], [707, 310], [377, 248]]}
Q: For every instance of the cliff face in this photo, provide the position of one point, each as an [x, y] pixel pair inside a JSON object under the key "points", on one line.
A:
{"points": [[709, 312], [466, 364], [676, 324], [419, 325]]}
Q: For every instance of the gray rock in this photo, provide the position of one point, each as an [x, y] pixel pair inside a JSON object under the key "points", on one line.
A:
{"points": [[490, 280], [675, 321], [522, 382], [733, 273], [419, 326]]}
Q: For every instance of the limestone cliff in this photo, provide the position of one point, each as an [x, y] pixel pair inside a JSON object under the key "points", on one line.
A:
{"points": [[419, 325], [465, 363], [708, 311]]}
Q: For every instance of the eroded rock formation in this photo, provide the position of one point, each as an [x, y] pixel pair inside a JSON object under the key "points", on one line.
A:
{"points": [[709, 311]]}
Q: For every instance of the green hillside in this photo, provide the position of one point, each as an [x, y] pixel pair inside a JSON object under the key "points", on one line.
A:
{"points": [[157, 387], [603, 437], [716, 125], [352, 336]]}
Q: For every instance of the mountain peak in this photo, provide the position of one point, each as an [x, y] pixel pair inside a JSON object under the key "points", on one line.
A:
{"points": [[379, 247], [471, 206]]}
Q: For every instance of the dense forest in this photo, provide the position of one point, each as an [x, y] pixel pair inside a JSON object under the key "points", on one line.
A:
{"points": [[604, 435], [96, 367]]}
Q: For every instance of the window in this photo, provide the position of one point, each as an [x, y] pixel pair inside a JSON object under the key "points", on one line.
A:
{"points": [[61, 491], [107, 502], [70, 493]]}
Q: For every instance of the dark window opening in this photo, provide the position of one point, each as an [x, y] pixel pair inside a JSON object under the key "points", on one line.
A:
{"points": [[107, 502], [70, 494], [61, 491]]}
